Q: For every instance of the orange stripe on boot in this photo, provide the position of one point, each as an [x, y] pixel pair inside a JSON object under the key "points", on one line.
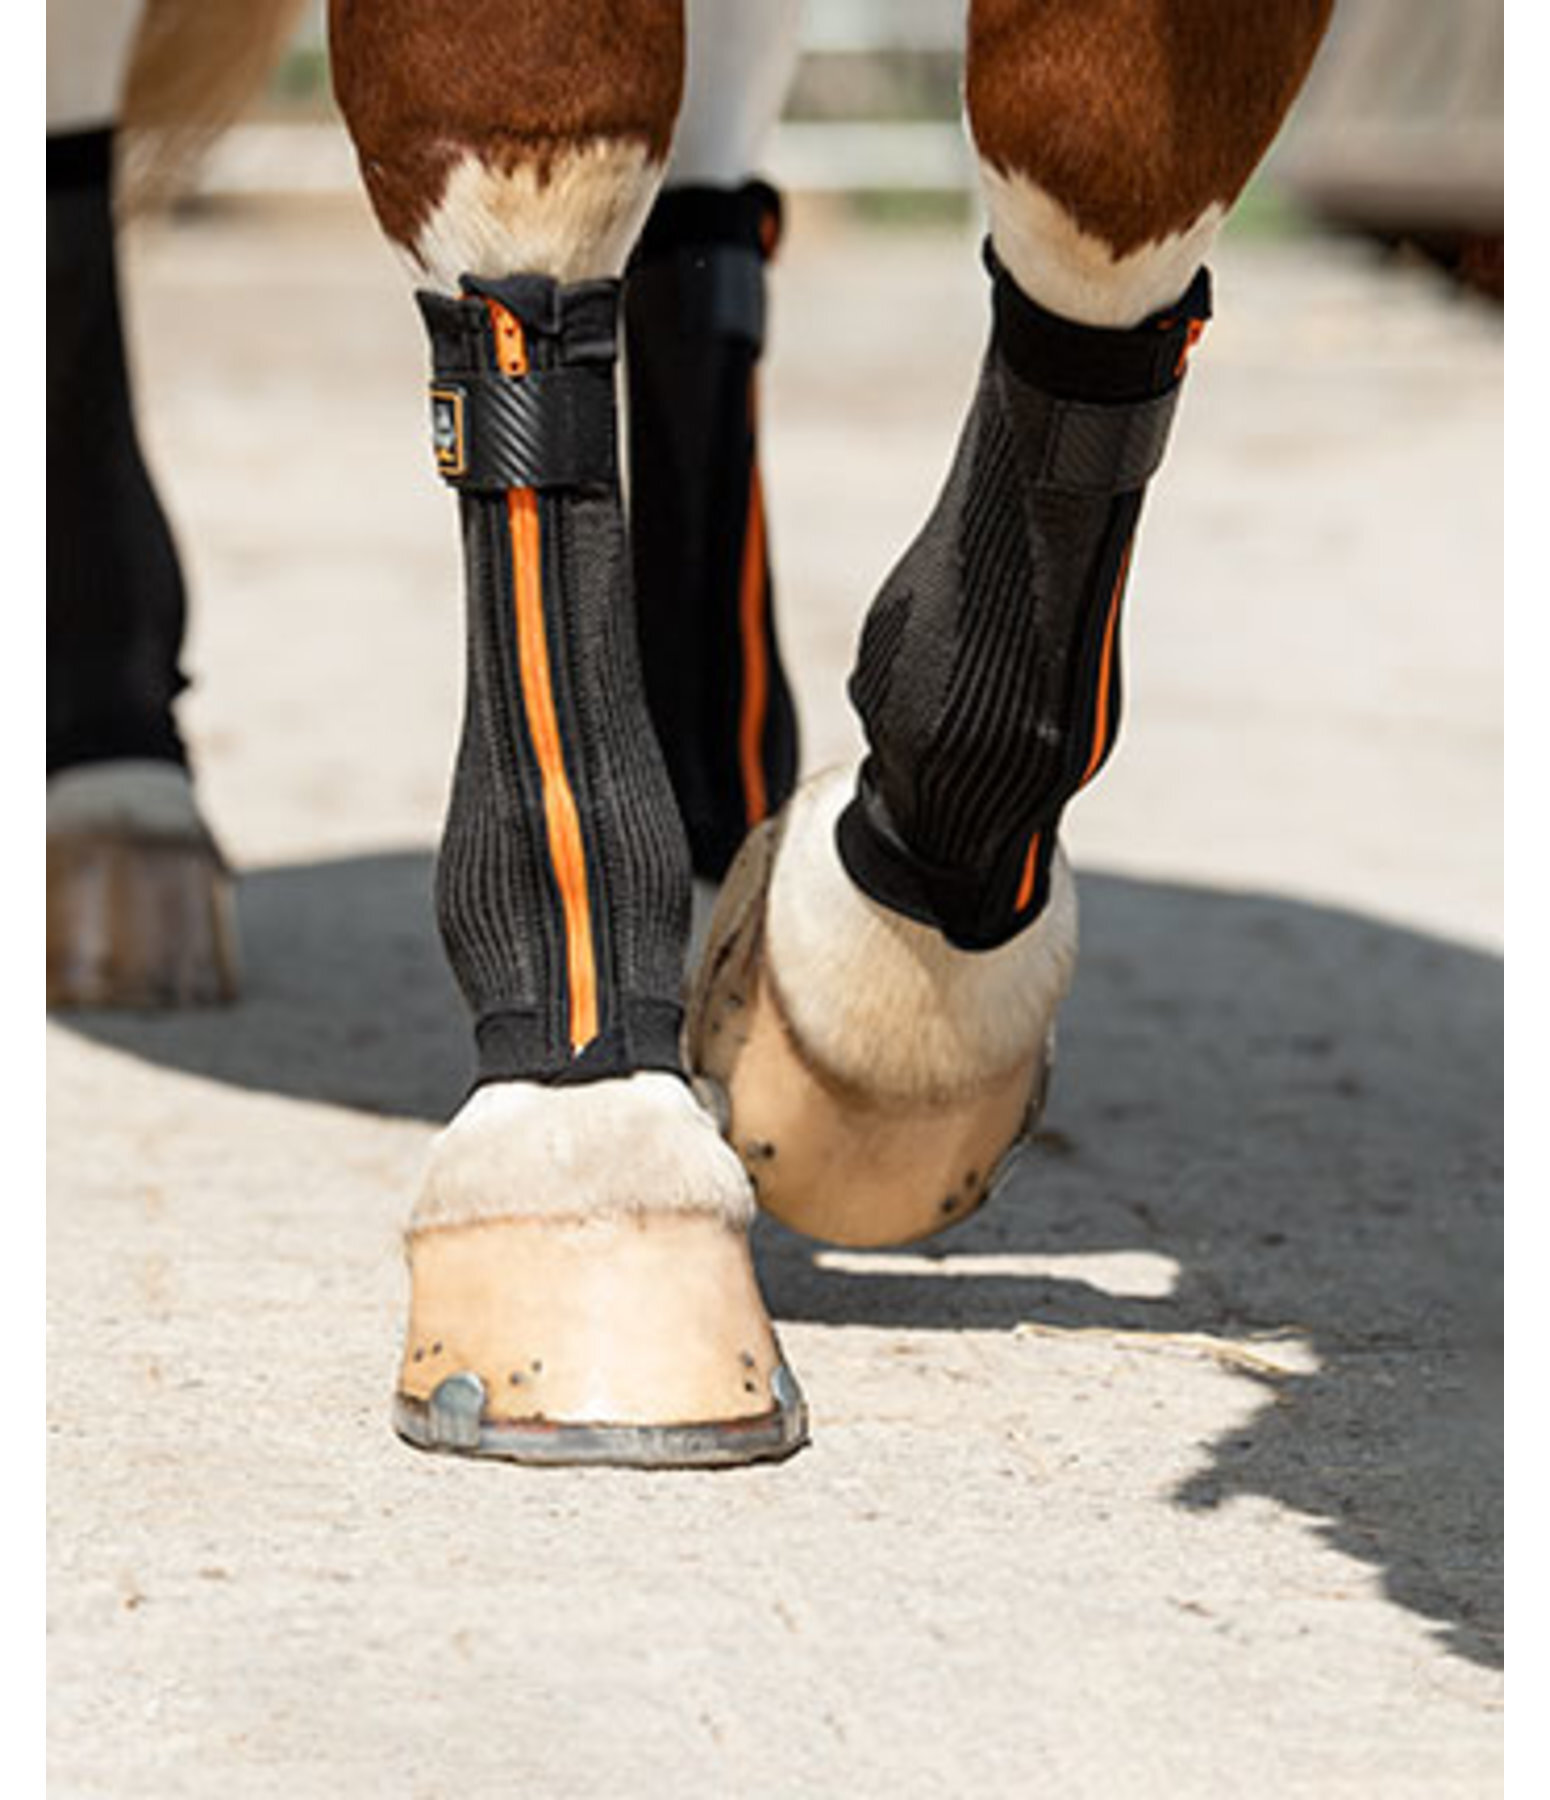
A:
{"points": [[562, 820], [752, 600], [1105, 672], [1030, 865], [1100, 724]]}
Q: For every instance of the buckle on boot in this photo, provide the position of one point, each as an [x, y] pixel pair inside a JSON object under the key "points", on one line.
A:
{"points": [[448, 439], [550, 428], [554, 424]]}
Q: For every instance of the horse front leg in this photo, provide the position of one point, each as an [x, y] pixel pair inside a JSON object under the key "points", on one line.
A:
{"points": [[881, 984], [138, 905], [695, 318], [581, 1287]]}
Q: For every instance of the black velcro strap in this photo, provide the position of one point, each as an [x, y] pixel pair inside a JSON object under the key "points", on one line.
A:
{"points": [[736, 280], [551, 428], [1090, 449]]}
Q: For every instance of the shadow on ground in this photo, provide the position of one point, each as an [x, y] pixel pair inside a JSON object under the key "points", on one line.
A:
{"points": [[1299, 1107]]}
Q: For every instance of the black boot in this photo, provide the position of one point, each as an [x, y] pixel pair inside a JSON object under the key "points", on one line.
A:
{"points": [[988, 678], [115, 594], [694, 318], [563, 882]]}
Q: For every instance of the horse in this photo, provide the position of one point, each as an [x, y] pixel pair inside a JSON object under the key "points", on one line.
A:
{"points": [[575, 187]]}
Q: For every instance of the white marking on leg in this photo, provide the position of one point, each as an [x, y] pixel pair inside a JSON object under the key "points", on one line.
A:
{"points": [[887, 1003], [639, 1144], [577, 220], [1077, 275], [133, 795]]}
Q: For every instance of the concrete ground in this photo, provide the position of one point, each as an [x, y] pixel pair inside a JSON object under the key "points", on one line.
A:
{"points": [[1175, 1475]]}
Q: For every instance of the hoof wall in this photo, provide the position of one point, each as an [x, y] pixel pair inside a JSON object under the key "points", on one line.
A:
{"points": [[827, 1159], [138, 923], [641, 1342]]}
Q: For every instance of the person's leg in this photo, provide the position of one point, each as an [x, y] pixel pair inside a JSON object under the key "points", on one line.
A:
{"points": [[880, 995], [695, 313], [581, 1283], [138, 910]]}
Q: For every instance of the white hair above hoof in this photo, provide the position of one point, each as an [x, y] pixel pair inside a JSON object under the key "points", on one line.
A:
{"points": [[632, 1146]]}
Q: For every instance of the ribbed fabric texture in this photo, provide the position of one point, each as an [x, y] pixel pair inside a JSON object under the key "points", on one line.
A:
{"points": [[500, 891], [988, 676], [115, 593], [694, 313]]}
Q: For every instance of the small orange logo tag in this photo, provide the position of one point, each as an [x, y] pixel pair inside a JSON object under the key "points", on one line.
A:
{"points": [[447, 430]]}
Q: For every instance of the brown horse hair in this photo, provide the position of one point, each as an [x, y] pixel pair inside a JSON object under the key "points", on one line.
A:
{"points": [[1135, 116], [427, 84]]}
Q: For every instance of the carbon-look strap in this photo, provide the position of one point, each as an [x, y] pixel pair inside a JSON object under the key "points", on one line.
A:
{"points": [[1088, 449], [550, 428]]}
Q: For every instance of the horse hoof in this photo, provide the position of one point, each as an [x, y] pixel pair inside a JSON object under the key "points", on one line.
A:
{"points": [[138, 923], [140, 911], [581, 1286], [834, 1154], [641, 1342]]}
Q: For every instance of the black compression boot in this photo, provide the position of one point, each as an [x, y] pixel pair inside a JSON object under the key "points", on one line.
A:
{"points": [[694, 316], [115, 594], [988, 677], [563, 881]]}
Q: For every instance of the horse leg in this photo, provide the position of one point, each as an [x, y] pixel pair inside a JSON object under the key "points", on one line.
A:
{"points": [[581, 1287], [139, 910], [881, 982], [694, 314]]}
